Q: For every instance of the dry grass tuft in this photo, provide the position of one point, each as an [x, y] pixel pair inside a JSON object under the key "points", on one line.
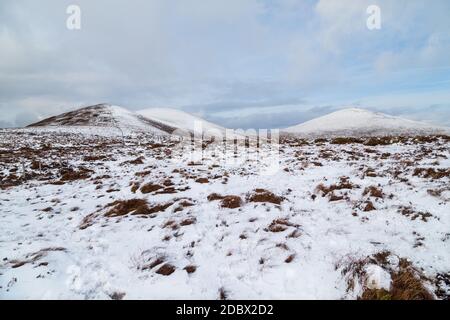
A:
{"points": [[379, 141], [134, 207], [139, 160], [81, 174], [166, 270], [375, 294], [202, 180], [280, 225], [262, 195], [345, 140], [149, 187], [407, 283], [435, 174], [344, 184], [373, 191], [190, 269], [290, 258], [223, 294], [414, 215], [369, 206], [231, 202], [135, 187], [188, 222], [124, 207], [35, 256], [215, 196]]}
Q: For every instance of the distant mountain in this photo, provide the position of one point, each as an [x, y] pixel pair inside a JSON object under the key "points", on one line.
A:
{"points": [[182, 121], [105, 116], [109, 119], [354, 121]]}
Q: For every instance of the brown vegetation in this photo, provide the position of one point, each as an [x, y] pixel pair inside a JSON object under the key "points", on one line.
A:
{"points": [[35, 256], [290, 258], [188, 221], [72, 175], [345, 140], [190, 269], [344, 184], [413, 215], [124, 207], [134, 207], [149, 187], [231, 202], [373, 191], [280, 225], [262, 195], [369, 206], [215, 196], [407, 283], [380, 141], [166, 270], [431, 173]]}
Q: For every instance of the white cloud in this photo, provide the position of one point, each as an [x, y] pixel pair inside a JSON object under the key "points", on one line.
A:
{"points": [[193, 52]]}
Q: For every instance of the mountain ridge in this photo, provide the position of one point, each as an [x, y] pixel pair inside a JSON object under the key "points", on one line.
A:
{"points": [[357, 121], [103, 116], [183, 121], [167, 121]]}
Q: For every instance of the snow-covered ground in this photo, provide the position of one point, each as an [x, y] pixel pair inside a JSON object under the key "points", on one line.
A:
{"points": [[295, 234]]}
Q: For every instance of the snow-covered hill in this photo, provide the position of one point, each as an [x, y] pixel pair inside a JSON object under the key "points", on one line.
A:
{"points": [[183, 121], [103, 118], [354, 121]]}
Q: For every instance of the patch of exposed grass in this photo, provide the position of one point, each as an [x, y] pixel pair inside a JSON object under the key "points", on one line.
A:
{"points": [[414, 215], [262, 195], [345, 140], [231, 202], [433, 173], [407, 283], [150, 187], [373, 191]]}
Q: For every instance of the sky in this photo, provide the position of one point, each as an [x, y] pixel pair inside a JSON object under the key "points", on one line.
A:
{"points": [[239, 63]]}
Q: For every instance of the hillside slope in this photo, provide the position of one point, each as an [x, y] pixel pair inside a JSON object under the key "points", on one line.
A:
{"points": [[354, 121], [181, 120], [104, 116]]}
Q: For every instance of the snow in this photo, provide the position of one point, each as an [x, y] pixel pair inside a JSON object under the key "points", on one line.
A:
{"points": [[107, 120], [102, 119], [181, 120], [354, 120], [126, 119], [92, 131], [377, 277], [232, 249]]}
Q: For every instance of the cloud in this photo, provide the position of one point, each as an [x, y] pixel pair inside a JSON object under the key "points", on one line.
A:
{"points": [[6, 124], [25, 118], [217, 58], [275, 119]]}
